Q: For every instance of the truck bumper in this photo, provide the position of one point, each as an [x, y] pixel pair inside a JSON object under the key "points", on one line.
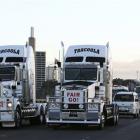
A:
{"points": [[90, 118], [6, 116]]}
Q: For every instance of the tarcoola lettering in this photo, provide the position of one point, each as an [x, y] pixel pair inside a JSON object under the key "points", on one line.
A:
{"points": [[10, 51], [86, 50]]}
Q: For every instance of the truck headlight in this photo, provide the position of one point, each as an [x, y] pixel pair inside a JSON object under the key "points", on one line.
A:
{"points": [[81, 106], [9, 104], [65, 106]]}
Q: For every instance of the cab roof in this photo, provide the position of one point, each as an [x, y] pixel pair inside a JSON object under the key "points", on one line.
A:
{"points": [[124, 92]]}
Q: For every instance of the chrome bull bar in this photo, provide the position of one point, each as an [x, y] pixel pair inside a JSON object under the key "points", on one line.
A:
{"points": [[58, 111]]}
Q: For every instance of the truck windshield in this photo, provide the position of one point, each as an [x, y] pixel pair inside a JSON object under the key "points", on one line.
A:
{"points": [[124, 98], [7, 73], [81, 73]]}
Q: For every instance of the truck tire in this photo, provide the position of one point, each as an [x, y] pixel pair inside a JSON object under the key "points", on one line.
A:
{"points": [[42, 119], [45, 114], [17, 118], [115, 119], [136, 115], [117, 115], [39, 119], [102, 123]]}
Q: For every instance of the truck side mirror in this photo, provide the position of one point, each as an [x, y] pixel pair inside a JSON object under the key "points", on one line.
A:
{"points": [[58, 63], [13, 87], [18, 82]]}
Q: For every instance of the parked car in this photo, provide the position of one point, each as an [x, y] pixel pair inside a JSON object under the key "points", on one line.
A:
{"points": [[119, 88], [128, 103]]}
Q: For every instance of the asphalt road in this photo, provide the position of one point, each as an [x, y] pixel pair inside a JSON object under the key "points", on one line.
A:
{"points": [[128, 129]]}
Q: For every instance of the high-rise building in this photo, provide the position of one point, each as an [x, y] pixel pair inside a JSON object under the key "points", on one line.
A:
{"points": [[40, 62], [50, 73], [32, 40]]}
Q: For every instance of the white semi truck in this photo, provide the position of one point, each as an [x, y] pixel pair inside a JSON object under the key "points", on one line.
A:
{"points": [[85, 94], [17, 86]]}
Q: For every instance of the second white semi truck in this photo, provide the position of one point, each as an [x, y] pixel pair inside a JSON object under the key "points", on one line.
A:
{"points": [[85, 94], [17, 86]]}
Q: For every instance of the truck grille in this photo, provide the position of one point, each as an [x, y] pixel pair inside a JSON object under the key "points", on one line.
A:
{"points": [[72, 106]]}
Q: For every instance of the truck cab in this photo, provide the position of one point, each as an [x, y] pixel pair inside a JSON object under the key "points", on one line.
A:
{"points": [[86, 90], [17, 86]]}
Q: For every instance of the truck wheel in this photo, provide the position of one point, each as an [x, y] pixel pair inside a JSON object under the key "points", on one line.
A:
{"points": [[45, 114], [38, 120], [42, 119], [102, 123], [113, 120], [117, 119], [17, 119], [138, 115], [117, 116], [135, 115]]}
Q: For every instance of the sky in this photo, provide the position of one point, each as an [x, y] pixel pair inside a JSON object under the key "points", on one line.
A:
{"points": [[76, 22]]}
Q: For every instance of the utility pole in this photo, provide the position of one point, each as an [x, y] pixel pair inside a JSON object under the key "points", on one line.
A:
{"points": [[137, 73]]}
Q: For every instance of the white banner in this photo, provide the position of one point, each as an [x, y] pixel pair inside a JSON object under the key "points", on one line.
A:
{"points": [[73, 96]]}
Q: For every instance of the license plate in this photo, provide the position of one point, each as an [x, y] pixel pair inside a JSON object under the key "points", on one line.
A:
{"points": [[73, 114]]}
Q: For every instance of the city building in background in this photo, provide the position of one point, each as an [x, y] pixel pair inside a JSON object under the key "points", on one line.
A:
{"points": [[40, 62], [50, 73], [53, 73]]}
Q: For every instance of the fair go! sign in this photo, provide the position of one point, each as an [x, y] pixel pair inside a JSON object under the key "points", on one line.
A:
{"points": [[73, 96]]}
